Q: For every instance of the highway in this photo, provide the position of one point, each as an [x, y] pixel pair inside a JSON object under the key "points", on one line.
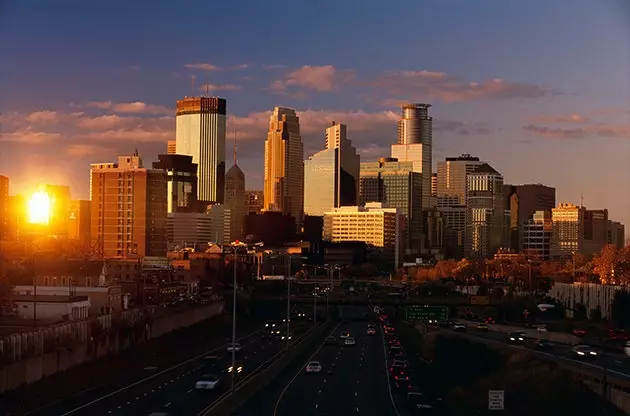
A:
{"points": [[615, 365], [353, 379]]}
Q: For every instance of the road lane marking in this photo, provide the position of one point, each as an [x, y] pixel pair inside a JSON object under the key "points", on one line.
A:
{"points": [[357, 410], [297, 374], [144, 380], [167, 404]]}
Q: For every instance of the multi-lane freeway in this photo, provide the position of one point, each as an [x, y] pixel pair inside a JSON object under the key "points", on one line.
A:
{"points": [[354, 379]]}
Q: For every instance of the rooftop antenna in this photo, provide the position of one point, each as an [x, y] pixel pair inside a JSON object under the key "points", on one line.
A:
{"points": [[582, 197], [192, 84], [234, 121], [208, 86]]}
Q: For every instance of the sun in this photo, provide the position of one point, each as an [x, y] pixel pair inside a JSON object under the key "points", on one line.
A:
{"points": [[39, 208]]}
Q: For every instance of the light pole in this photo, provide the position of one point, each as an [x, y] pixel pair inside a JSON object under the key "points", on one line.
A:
{"points": [[315, 307], [288, 298], [529, 263], [233, 322]]}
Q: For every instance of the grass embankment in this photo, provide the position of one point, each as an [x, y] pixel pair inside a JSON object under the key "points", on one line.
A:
{"points": [[462, 371]]}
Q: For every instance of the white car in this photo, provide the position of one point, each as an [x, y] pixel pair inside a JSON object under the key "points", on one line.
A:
{"points": [[541, 328], [585, 351], [236, 347], [349, 341], [207, 382], [313, 367]]}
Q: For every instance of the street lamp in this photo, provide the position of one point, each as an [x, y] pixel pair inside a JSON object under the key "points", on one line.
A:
{"points": [[233, 321]]}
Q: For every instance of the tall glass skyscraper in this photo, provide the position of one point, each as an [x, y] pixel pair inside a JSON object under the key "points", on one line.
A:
{"points": [[331, 177], [200, 133], [284, 165]]}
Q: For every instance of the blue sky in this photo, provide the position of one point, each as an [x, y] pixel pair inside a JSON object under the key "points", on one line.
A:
{"points": [[540, 89]]}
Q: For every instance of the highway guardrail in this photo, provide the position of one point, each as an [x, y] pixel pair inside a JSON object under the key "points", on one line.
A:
{"points": [[228, 403]]}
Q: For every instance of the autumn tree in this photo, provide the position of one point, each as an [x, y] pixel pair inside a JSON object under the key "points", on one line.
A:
{"points": [[606, 263], [445, 268]]}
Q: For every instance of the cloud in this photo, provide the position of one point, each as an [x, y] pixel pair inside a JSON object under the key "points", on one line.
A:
{"points": [[103, 105], [210, 67], [317, 78], [43, 117], [588, 130], [219, 87], [134, 68], [447, 88], [563, 119], [82, 150], [138, 107], [271, 67], [29, 136], [556, 133]]}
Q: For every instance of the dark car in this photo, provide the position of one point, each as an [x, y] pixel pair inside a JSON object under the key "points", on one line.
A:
{"points": [[515, 337], [419, 404], [543, 344], [401, 380], [330, 341], [395, 350]]}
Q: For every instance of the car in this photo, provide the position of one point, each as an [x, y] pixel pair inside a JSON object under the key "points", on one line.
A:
{"points": [[458, 327], [286, 337], [541, 328], [393, 341], [482, 327], [207, 382], [345, 334], [330, 341], [399, 362], [238, 368], [543, 344], [349, 341], [236, 347], [516, 337], [371, 331], [313, 367], [585, 352], [419, 404], [579, 333], [401, 380], [489, 320], [270, 324], [395, 349]]}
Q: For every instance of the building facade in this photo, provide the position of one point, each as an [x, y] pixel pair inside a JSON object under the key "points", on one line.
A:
{"points": [[521, 201], [4, 208], [331, 177], [236, 201], [616, 234], [537, 234], [484, 212], [578, 230], [60, 208], [396, 185], [79, 219], [171, 147], [128, 212], [188, 229], [255, 201], [284, 165], [181, 181], [200, 133]]}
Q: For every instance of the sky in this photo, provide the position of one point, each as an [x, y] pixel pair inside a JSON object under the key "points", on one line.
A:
{"points": [[538, 89]]}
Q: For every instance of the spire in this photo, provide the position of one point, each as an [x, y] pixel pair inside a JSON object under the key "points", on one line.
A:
{"points": [[234, 120]]}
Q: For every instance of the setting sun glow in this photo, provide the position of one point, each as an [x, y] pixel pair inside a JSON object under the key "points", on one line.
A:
{"points": [[39, 208]]}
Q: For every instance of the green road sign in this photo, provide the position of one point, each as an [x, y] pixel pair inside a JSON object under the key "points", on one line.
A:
{"points": [[418, 313]]}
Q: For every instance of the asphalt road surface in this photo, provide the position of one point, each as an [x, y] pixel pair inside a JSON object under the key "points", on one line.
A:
{"points": [[615, 365], [63, 392], [353, 380]]}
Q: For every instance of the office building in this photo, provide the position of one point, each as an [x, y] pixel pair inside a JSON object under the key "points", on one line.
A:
{"points": [[236, 201], [331, 176], [79, 219], [521, 201], [181, 181], [4, 208], [188, 229], [373, 224], [255, 201], [171, 148], [451, 200], [537, 232], [484, 212], [415, 144], [200, 133], [220, 224], [396, 185], [284, 165], [616, 234], [129, 205], [60, 208], [578, 230]]}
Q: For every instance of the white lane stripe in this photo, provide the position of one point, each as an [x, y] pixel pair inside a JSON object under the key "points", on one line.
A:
{"points": [[144, 380]]}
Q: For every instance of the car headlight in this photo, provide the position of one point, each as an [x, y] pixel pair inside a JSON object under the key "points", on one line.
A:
{"points": [[512, 339], [520, 339], [580, 353], [593, 353]]}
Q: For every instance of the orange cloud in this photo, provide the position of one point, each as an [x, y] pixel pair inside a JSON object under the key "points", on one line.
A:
{"points": [[219, 87], [318, 78], [562, 119], [210, 67]]}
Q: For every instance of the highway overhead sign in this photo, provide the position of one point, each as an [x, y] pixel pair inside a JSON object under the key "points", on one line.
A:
{"points": [[496, 399], [426, 313]]}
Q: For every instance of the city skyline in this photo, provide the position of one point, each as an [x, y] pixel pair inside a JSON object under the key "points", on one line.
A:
{"points": [[543, 122]]}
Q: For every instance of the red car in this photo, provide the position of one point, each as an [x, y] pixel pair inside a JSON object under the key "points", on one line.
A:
{"points": [[579, 332], [617, 335]]}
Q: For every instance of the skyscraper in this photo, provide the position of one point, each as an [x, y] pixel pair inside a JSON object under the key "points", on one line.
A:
{"points": [[236, 200], [521, 202], [200, 133], [484, 212], [331, 177], [128, 209], [284, 165], [415, 144], [4, 208], [181, 181]]}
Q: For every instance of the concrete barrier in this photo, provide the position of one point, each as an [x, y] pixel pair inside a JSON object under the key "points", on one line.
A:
{"points": [[246, 390], [30, 370]]}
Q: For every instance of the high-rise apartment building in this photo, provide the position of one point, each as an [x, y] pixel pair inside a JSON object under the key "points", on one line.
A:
{"points": [[331, 176], [128, 209], [188, 229], [79, 219], [255, 201], [200, 133], [521, 201], [415, 144], [181, 181], [578, 230], [171, 147], [396, 185], [284, 165], [616, 234], [4, 208], [373, 224], [484, 212], [451, 200], [537, 234]]}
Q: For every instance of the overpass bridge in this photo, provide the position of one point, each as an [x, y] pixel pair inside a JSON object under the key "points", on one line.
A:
{"points": [[379, 300]]}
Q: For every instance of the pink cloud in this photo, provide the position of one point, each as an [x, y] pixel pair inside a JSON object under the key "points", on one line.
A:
{"points": [[138, 107], [29, 136], [103, 105], [566, 118], [317, 78], [219, 87], [590, 130], [210, 67]]}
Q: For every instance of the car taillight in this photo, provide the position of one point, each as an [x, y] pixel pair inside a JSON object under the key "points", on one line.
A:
{"points": [[395, 377]]}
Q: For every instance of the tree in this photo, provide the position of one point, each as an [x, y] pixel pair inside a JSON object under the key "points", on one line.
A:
{"points": [[606, 263], [464, 270], [445, 268]]}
